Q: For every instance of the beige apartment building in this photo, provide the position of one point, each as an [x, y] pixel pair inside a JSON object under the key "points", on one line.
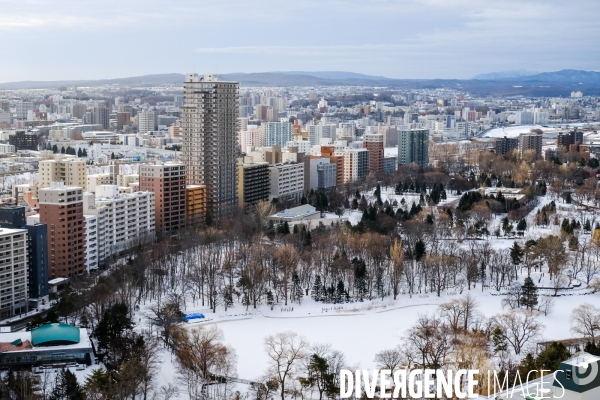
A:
{"points": [[70, 171]]}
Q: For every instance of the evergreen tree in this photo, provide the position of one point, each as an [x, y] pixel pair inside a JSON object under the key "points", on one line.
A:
{"points": [[516, 253], [529, 295], [79, 153], [67, 387], [522, 225], [377, 193], [297, 292], [573, 243], [304, 200], [420, 250], [112, 334], [339, 292], [499, 340], [592, 348], [62, 150], [527, 365], [84, 152], [320, 377], [317, 289], [551, 357], [360, 278], [270, 300]]}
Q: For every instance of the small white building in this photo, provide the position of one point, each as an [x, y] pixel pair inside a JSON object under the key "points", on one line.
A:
{"points": [[7, 149], [305, 212]]}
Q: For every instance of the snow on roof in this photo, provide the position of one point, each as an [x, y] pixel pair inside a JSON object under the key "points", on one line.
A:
{"points": [[582, 358], [84, 340], [305, 209]]}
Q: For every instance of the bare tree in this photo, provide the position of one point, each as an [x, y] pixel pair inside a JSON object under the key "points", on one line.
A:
{"points": [[285, 350], [396, 266], [202, 358], [520, 327], [389, 359], [585, 321]]}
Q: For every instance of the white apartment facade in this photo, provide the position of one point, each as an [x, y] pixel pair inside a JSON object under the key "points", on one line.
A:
{"points": [[7, 149], [122, 219], [91, 242], [303, 146], [23, 108], [146, 121], [287, 181], [318, 132], [13, 272], [275, 133]]}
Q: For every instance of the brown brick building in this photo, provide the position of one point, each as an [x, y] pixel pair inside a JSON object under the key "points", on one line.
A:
{"points": [[167, 182], [374, 143], [61, 208]]}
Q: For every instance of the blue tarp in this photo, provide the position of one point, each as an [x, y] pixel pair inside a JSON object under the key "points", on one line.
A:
{"points": [[193, 316]]}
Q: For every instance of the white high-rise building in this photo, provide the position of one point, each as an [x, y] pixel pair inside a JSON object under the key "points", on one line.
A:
{"points": [[524, 118], [318, 132], [275, 133], [209, 138], [146, 121], [13, 272], [22, 108]]}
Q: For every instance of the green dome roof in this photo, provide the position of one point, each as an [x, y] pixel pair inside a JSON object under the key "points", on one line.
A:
{"points": [[54, 335]]}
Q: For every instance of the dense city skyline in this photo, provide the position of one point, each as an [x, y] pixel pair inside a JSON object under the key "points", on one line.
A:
{"points": [[414, 39]]}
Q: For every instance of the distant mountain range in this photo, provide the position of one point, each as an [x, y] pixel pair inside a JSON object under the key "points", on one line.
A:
{"points": [[508, 83], [565, 75], [513, 74]]}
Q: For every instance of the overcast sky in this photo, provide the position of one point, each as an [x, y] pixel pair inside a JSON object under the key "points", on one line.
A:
{"points": [[74, 39]]}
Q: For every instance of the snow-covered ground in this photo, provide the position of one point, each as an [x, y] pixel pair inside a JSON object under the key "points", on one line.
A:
{"points": [[354, 329], [514, 131], [360, 330]]}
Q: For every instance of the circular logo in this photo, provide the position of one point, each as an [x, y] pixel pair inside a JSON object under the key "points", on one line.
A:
{"points": [[585, 373]]}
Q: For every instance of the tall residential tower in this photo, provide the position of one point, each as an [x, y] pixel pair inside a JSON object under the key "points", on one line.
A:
{"points": [[209, 139]]}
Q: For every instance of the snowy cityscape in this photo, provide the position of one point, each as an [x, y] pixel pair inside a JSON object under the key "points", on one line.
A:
{"points": [[415, 230]]}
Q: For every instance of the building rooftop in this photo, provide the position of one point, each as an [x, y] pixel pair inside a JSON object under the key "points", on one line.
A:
{"points": [[57, 333], [303, 210], [58, 339]]}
